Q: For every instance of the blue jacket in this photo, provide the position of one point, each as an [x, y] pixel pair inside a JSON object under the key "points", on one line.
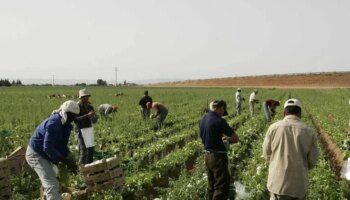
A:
{"points": [[212, 128], [50, 138]]}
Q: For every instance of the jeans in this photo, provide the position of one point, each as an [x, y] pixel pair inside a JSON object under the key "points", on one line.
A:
{"points": [[218, 176], [161, 119], [46, 174], [267, 112]]}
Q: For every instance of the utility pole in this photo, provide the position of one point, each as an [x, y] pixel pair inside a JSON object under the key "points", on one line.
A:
{"points": [[116, 82], [53, 80]]}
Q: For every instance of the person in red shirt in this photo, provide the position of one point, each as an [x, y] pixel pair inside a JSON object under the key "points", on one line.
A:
{"points": [[160, 110], [270, 108]]}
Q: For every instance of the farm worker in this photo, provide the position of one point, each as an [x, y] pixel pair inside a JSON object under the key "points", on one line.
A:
{"points": [[213, 129], [238, 99], [145, 112], [49, 145], [270, 108], [290, 148], [106, 109], [252, 101], [84, 132], [160, 110]]}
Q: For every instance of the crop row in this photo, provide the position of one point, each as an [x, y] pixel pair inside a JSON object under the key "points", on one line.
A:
{"points": [[254, 171]]}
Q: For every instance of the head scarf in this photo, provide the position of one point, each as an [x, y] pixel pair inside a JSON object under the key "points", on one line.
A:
{"points": [[68, 106]]}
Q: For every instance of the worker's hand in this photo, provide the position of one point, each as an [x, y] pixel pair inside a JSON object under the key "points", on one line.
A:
{"points": [[233, 139], [91, 114], [70, 163]]}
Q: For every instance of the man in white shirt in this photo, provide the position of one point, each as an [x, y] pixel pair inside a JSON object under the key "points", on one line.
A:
{"points": [[252, 101], [290, 148]]}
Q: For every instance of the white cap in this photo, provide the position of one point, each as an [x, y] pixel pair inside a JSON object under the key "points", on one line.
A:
{"points": [[292, 102], [211, 106], [83, 93]]}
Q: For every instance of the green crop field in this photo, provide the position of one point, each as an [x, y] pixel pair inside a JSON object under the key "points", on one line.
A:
{"points": [[169, 164]]}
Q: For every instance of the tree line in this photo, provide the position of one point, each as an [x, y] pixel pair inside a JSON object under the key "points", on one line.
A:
{"points": [[100, 82], [7, 83]]}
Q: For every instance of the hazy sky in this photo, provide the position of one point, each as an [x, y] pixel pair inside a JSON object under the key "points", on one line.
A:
{"points": [[178, 39]]}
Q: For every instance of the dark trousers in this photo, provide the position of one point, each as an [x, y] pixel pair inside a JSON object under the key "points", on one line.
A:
{"points": [[285, 197], [86, 155], [218, 176], [145, 113], [161, 119]]}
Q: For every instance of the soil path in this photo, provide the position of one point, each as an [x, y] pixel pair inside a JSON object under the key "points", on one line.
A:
{"points": [[316, 80]]}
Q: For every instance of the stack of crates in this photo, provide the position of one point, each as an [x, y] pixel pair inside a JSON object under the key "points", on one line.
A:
{"points": [[17, 161], [103, 175], [5, 187]]}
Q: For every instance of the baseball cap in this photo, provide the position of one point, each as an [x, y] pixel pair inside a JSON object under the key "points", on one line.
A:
{"points": [[292, 102], [220, 103]]}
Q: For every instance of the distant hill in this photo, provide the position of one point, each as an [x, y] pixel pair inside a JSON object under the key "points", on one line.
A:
{"points": [[306, 80]]}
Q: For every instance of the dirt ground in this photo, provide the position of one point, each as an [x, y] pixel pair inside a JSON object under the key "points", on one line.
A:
{"points": [[315, 80]]}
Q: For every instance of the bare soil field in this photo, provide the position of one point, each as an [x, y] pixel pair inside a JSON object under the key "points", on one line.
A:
{"points": [[309, 80]]}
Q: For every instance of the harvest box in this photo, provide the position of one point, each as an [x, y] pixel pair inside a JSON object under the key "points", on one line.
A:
{"points": [[103, 175], [5, 187]]}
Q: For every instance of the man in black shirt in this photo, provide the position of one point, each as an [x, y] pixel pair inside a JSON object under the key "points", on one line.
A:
{"points": [[83, 128], [145, 112], [213, 130]]}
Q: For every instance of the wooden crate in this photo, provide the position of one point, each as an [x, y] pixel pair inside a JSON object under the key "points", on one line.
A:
{"points": [[100, 186], [113, 162], [4, 169], [100, 165], [5, 193], [104, 176], [116, 184], [4, 182], [17, 161], [119, 182], [3, 163]]}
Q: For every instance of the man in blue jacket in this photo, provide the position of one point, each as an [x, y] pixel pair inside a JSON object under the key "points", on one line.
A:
{"points": [[49, 145]]}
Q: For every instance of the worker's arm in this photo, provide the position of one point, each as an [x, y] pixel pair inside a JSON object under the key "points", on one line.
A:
{"points": [[267, 151], [229, 133], [313, 154], [232, 139]]}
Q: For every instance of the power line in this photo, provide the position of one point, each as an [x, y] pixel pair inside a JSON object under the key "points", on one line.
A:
{"points": [[116, 82]]}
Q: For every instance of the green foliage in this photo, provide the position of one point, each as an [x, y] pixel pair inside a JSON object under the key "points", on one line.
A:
{"points": [[168, 163]]}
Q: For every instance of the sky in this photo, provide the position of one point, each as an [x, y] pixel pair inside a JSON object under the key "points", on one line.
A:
{"points": [[159, 40]]}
